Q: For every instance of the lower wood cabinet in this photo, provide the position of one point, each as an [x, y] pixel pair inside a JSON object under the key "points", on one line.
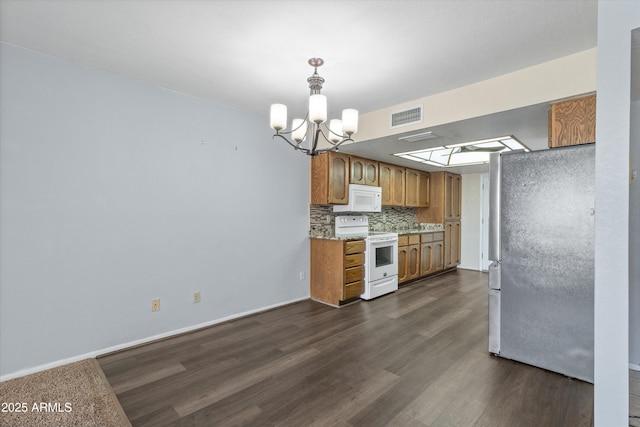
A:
{"points": [[421, 255], [337, 270], [431, 253], [403, 252], [452, 234], [408, 257]]}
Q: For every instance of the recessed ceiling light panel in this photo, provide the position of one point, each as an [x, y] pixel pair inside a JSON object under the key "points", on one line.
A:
{"points": [[466, 153]]}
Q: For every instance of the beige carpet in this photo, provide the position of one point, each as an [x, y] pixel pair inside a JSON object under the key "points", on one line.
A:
{"points": [[76, 394]]}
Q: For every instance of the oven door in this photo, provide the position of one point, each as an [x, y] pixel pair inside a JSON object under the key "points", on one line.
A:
{"points": [[382, 257]]}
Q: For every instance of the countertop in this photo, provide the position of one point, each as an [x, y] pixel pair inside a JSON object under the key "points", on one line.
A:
{"points": [[434, 228]]}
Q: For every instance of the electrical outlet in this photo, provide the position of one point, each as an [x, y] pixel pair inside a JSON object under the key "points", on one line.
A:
{"points": [[155, 304], [302, 275], [196, 297]]}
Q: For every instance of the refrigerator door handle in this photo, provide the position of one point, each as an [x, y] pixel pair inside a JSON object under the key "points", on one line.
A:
{"points": [[494, 321], [495, 178], [494, 275]]}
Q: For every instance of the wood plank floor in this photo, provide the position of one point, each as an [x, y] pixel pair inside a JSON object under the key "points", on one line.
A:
{"points": [[417, 357]]}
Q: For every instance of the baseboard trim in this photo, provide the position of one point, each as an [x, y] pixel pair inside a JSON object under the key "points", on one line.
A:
{"points": [[142, 341]]}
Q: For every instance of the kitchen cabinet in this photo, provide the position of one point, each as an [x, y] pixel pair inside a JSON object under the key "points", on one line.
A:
{"points": [[572, 122], [416, 188], [421, 255], [392, 181], [363, 171], [453, 200], [452, 235], [445, 199], [337, 270], [330, 178], [403, 256], [413, 262], [424, 189], [431, 253], [408, 257], [332, 172]]}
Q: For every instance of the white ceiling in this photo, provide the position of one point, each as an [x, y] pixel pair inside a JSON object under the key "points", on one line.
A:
{"points": [[250, 54]]}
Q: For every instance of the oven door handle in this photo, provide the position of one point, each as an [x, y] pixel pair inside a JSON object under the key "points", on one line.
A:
{"points": [[384, 240]]}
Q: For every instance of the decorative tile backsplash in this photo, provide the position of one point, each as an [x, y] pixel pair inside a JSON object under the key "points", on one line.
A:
{"points": [[398, 219]]}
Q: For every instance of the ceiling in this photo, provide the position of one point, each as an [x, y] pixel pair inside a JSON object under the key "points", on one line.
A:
{"points": [[250, 54], [528, 124]]}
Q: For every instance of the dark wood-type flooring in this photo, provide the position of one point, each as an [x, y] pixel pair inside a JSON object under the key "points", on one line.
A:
{"points": [[417, 357]]}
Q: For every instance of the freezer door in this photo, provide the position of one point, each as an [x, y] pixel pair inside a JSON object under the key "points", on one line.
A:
{"points": [[547, 259]]}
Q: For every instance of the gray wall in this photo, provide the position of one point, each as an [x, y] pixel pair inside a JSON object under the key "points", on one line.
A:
{"points": [[115, 192], [616, 20], [634, 240]]}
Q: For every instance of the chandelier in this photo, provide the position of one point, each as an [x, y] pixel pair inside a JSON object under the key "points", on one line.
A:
{"points": [[336, 133]]}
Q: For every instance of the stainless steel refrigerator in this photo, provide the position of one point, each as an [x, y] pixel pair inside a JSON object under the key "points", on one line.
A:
{"points": [[541, 239]]}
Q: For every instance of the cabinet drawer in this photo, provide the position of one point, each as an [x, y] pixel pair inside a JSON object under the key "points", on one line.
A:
{"points": [[403, 240], [414, 239], [431, 237], [353, 260], [353, 247], [426, 238], [353, 289], [353, 274]]}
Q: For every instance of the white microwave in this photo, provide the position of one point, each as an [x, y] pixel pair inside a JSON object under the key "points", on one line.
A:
{"points": [[362, 198]]}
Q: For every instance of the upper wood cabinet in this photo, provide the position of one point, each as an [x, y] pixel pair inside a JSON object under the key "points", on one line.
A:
{"points": [[363, 171], [453, 201], [330, 178], [392, 181], [416, 188], [572, 122], [445, 199], [332, 172]]}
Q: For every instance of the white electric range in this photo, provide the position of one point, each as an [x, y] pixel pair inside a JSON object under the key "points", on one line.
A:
{"points": [[381, 255]]}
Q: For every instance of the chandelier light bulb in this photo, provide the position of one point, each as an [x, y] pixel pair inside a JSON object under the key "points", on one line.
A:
{"points": [[278, 117], [299, 130], [350, 121], [335, 131], [318, 108]]}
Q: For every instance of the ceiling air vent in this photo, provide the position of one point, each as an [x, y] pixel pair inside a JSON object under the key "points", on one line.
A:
{"points": [[419, 136], [406, 117]]}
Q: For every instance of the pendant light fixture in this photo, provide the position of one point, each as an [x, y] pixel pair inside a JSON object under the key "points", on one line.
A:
{"points": [[315, 122]]}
